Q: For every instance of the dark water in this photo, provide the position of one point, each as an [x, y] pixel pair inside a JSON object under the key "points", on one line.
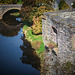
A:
{"points": [[11, 19], [16, 53]]}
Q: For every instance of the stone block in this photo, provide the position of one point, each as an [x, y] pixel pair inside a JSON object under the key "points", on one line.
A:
{"points": [[73, 42]]}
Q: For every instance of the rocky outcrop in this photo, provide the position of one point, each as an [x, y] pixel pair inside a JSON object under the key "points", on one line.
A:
{"points": [[59, 27]]}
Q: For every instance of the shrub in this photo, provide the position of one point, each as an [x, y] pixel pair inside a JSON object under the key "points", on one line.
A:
{"points": [[33, 15], [37, 19], [36, 29], [25, 12], [63, 5], [37, 25], [73, 5]]}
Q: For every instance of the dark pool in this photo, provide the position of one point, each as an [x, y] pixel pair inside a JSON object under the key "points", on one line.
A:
{"points": [[17, 56]]}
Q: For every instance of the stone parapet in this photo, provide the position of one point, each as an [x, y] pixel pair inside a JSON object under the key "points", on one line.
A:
{"points": [[6, 7]]}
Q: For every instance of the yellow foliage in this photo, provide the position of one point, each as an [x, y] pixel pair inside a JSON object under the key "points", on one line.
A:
{"points": [[65, 6], [37, 20], [36, 29]]}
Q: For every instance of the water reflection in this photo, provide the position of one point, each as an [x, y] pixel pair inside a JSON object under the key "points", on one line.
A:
{"points": [[29, 56], [10, 50], [18, 19], [9, 31], [11, 19], [10, 24]]}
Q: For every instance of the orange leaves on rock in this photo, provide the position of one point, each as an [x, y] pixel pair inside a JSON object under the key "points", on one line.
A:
{"points": [[51, 45], [36, 44]]}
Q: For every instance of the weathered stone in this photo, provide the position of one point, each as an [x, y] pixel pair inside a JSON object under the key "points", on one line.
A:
{"points": [[59, 27]]}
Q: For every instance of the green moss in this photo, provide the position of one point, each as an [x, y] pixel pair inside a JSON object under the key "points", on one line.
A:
{"points": [[54, 43], [15, 14], [30, 36], [34, 39], [36, 42], [41, 49]]}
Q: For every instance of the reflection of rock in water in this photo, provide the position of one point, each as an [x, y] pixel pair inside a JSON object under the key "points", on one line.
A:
{"points": [[29, 56], [8, 30]]}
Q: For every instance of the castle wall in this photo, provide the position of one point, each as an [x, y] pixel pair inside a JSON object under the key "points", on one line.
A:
{"points": [[64, 23]]}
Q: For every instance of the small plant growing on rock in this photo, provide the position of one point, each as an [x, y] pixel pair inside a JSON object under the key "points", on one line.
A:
{"points": [[63, 5]]}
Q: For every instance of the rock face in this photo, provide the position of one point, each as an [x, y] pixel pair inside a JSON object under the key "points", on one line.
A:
{"points": [[59, 27]]}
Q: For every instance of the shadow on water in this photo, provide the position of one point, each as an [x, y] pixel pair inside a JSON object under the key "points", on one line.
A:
{"points": [[29, 56]]}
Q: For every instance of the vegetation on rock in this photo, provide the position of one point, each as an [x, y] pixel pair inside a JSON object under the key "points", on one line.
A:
{"points": [[33, 12], [63, 5], [9, 1], [15, 14], [35, 40]]}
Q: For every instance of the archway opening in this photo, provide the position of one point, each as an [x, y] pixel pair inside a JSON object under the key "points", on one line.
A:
{"points": [[12, 17]]}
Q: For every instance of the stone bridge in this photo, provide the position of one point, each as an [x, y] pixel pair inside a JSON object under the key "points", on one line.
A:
{"points": [[6, 7]]}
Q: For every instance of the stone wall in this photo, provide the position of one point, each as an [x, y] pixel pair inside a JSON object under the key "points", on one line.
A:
{"points": [[64, 23]]}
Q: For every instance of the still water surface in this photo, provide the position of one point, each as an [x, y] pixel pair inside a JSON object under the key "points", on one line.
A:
{"points": [[16, 54]]}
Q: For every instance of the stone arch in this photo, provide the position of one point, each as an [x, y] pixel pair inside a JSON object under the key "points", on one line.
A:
{"points": [[9, 10]]}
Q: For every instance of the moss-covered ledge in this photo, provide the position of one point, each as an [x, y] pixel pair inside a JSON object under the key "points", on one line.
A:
{"points": [[36, 42]]}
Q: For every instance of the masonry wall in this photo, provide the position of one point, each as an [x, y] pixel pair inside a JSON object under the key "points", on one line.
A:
{"points": [[64, 22]]}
